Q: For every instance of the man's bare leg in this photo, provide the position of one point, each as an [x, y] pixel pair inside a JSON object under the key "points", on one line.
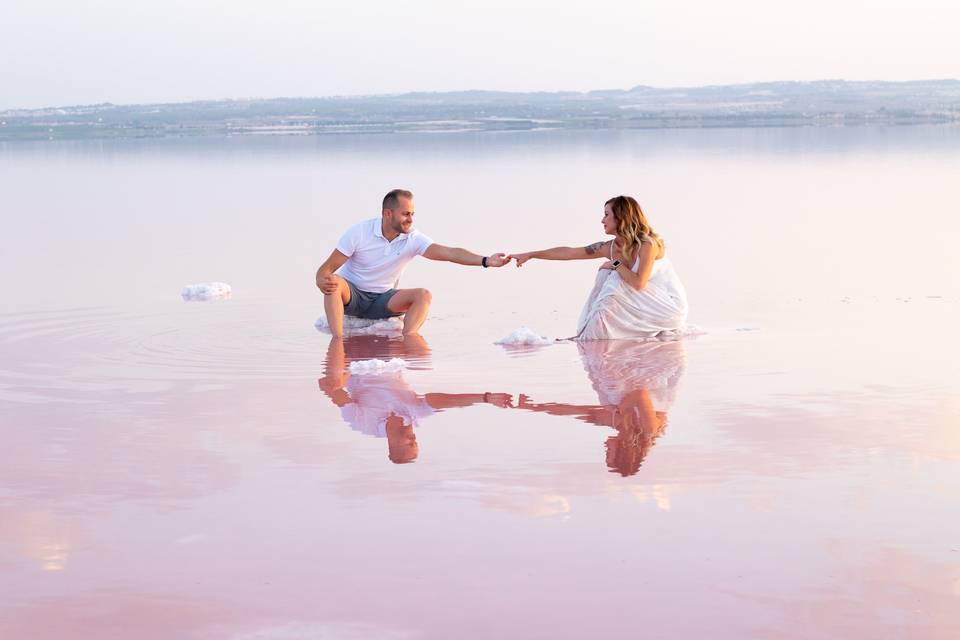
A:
{"points": [[333, 304], [415, 304], [415, 346]]}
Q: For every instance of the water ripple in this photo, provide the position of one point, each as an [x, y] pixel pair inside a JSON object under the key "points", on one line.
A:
{"points": [[45, 354]]}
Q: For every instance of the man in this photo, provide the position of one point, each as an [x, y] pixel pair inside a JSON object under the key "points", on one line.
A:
{"points": [[360, 276], [385, 406]]}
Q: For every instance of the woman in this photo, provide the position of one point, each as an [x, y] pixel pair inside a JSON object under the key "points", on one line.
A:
{"points": [[637, 293], [636, 384]]}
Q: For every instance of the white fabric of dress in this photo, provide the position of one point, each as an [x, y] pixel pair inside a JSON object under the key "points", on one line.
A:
{"points": [[617, 368], [617, 311]]}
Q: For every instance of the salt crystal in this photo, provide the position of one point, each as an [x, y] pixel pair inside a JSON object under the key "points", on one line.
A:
{"points": [[376, 366], [363, 326], [207, 291], [524, 336]]}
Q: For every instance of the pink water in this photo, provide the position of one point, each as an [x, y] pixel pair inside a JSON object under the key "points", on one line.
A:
{"points": [[209, 470]]}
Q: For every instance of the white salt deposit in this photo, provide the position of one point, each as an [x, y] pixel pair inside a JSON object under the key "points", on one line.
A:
{"points": [[687, 331], [376, 367], [363, 326], [207, 291], [524, 336]]}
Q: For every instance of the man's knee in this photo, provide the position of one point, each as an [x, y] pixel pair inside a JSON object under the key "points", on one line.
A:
{"points": [[342, 291], [407, 298]]}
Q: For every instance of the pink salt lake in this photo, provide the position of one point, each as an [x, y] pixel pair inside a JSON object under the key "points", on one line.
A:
{"points": [[174, 469]]}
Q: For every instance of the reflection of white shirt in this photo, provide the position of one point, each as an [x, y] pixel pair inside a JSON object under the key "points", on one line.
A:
{"points": [[376, 264], [376, 398]]}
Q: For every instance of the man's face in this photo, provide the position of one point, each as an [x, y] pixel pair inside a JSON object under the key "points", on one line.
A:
{"points": [[401, 440], [401, 218]]}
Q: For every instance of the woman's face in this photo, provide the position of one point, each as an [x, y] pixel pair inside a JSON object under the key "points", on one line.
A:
{"points": [[609, 221]]}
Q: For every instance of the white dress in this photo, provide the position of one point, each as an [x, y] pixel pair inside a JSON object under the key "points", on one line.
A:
{"points": [[616, 311], [617, 368]]}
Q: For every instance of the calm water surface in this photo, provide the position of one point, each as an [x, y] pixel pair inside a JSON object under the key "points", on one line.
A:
{"points": [[211, 470]]}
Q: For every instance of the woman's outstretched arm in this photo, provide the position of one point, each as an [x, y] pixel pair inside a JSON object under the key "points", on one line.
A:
{"points": [[595, 250]]}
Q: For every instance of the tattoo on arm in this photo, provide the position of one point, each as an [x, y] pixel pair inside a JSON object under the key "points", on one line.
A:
{"points": [[593, 248]]}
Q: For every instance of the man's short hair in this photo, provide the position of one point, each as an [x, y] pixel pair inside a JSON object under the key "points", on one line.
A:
{"points": [[392, 199]]}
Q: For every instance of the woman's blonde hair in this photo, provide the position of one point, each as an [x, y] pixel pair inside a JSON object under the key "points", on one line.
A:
{"points": [[632, 223]]}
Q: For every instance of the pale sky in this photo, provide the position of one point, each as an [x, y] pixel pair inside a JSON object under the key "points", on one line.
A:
{"points": [[67, 52]]}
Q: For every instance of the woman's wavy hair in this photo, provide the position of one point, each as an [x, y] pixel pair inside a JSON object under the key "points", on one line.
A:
{"points": [[632, 223], [627, 450]]}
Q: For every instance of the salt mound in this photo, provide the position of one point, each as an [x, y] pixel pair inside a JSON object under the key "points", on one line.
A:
{"points": [[362, 326], [524, 336], [207, 291], [376, 367]]}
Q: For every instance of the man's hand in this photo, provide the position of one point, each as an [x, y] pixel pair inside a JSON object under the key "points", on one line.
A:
{"points": [[326, 270], [333, 381], [502, 400], [498, 260], [329, 284], [333, 385]]}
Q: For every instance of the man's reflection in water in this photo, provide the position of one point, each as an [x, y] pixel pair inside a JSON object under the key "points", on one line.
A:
{"points": [[636, 384], [384, 405]]}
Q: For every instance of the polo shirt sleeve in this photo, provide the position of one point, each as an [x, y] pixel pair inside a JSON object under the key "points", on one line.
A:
{"points": [[348, 242], [421, 242]]}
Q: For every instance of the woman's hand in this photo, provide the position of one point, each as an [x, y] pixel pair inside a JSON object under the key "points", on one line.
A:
{"points": [[522, 257], [617, 255]]}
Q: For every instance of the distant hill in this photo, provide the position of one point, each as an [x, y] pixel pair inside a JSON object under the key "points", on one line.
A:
{"points": [[825, 102]]}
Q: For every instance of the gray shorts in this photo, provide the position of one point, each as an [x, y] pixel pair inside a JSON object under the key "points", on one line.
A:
{"points": [[373, 306]]}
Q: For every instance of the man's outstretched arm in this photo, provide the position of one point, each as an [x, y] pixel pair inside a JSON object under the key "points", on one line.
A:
{"points": [[462, 256]]}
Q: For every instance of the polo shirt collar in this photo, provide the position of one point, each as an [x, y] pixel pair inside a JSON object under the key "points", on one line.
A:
{"points": [[378, 231]]}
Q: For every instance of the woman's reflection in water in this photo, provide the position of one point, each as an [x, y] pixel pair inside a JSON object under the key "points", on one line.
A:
{"points": [[636, 384], [384, 405]]}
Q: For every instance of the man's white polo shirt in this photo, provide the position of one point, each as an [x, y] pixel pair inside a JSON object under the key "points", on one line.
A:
{"points": [[376, 398], [374, 264]]}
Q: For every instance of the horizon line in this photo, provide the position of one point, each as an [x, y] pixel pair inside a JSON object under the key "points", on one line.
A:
{"points": [[461, 91]]}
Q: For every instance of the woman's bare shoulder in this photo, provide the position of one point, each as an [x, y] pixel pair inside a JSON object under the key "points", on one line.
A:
{"points": [[657, 244]]}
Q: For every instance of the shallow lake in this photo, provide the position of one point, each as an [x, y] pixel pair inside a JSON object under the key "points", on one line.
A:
{"points": [[174, 469]]}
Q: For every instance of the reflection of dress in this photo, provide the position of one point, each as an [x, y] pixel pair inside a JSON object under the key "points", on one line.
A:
{"points": [[616, 310], [376, 398], [618, 368]]}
